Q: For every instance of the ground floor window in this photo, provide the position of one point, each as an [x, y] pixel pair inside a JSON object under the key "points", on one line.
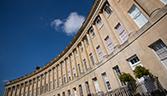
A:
{"points": [[134, 61], [96, 85], [106, 81], [87, 87], [69, 93], [80, 90], [117, 73], [74, 91], [160, 50]]}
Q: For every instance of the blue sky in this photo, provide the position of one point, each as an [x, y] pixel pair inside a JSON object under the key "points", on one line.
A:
{"points": [[32, 32]]}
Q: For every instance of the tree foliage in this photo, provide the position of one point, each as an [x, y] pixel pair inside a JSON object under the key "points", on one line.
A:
{"points": [[126, 77], [141, 71]]}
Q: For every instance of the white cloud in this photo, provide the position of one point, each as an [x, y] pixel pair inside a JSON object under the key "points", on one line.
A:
{"points": [[70, 25], [73, 23], [56, 23]]}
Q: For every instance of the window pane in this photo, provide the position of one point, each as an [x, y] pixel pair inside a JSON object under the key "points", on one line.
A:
{"points": [[164, 1], [91, 32], [98, 22], [122, 33], [69, 93], [99, 52], [84, 62], [117, 72], [80, 90], [96, 84], [137, 16], [91, 58], [107, 9], [109, 44], [134, 61], [79, 68], [141, 20], [87, 87], [161, 50], [106, 81]]}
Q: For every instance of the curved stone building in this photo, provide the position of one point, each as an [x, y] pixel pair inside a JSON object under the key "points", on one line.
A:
{"points": [[117, 36]]}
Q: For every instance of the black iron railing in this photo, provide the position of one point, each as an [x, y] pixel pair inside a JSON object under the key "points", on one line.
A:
{"points": [[150, 87]]}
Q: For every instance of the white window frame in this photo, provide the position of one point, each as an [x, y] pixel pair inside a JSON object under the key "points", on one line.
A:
{"points": [[160, 51], [98, 22], [106, 80], [100, 53], [87, 87], [91, 32], [74, 72], [80, 90], [109, 44], [92, 58], [164, 1], [69, 92], [133, 66], [79, 68], [123, 35], [96, 85], [117, 73], [85, 64], [74, 92], [138, 17], [107, 9], [69, 75]]}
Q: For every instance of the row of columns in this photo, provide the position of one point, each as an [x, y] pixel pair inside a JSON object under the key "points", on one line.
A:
{"points": [[51, 79], [27, 88]]}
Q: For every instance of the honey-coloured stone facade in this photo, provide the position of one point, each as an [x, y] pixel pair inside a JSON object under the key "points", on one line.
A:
{"points": [[117, 36]]}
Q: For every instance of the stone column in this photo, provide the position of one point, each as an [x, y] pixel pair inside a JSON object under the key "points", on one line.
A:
{"points": [[93, 48], [9, 91], [86, 52], [57, 75], [61, 70], [72, 77], [66, 71], [18, 90], [114, 39], [33, 82], [82, 65], [12, 89], [28, 92], [45, 76], [49, 80], [65, 61], [53, 79], [37, 91], [15, 92], [21, 89], [100, 39], [24, 88], [77, 70], [41, 84]]}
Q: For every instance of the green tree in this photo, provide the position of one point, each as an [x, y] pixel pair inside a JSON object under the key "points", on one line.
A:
{"points": [[141, 71]]}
